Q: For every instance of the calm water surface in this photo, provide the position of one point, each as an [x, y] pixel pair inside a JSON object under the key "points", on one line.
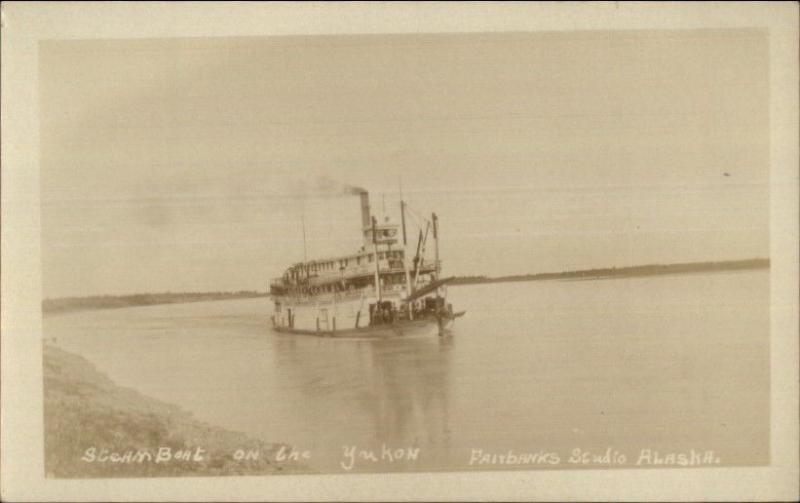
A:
{"points": [[670, 363]]}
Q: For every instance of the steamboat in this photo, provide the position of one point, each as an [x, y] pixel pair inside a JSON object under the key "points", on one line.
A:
{"points": [[372, 293]]}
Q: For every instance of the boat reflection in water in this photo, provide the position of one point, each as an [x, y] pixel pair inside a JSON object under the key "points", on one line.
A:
{"points": [[367, 405]]}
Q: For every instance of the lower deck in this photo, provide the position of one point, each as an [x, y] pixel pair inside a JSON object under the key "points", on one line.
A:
{"points": [[424, 327], [353, 316]]}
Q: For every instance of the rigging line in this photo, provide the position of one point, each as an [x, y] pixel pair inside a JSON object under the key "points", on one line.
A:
{"points": [[413, 211], [413, 214]]}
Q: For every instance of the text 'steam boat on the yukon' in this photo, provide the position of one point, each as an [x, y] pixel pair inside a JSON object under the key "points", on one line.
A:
{"points": [[375, 292]]}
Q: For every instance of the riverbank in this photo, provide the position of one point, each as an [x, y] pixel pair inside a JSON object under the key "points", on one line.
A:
{"points": [[69, 304], [622, 272], [95, 428]]}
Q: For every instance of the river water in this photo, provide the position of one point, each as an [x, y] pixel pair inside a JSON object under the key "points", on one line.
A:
{"points": [[669, 363]]}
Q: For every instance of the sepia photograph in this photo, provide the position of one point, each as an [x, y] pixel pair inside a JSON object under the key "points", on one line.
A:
{"points": [[399, 253], [561, 228]]}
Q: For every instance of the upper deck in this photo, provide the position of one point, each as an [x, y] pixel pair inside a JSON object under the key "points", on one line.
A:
{"points": [[380, 255], [348, 268]]}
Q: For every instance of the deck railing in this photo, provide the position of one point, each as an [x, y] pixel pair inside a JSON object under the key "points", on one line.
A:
{"points": [[388, 291]]}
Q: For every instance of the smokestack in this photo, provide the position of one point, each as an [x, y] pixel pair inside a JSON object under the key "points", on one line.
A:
{"points": [[366, 220]]}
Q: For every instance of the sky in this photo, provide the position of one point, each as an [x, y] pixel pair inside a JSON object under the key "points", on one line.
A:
{"points": [[189, 164]]}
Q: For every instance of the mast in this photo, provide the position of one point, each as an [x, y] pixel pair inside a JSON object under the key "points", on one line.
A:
{"points": [[436, 244], [405, 251], [305, 251], [377, 265], [403, 219], [420, 252], [438, 272]]}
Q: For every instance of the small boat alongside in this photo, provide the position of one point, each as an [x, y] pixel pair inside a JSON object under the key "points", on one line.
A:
{"points": [[376, 292]]}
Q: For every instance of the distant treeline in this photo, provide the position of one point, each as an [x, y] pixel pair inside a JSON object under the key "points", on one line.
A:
{"points": [[622, 272], [65, 304]]}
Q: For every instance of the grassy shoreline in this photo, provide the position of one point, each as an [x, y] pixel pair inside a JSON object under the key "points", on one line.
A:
{"points": [[85, 410]]}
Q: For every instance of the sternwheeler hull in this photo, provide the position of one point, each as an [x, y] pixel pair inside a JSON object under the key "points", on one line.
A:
{"points": [[415, 328]]}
